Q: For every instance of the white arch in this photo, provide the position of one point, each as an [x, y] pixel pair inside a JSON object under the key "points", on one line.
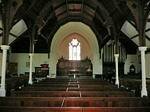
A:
{"points": [[85, 31]]}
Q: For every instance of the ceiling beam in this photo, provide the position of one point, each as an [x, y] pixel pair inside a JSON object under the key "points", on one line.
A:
{"points": [[132, 23], [10, 34], [40, 18], [82, 7], [138, 34], [105, 40], [47, 20], [140, 16], [42, 35], [31, 6], [61, 4], [53, 14], [117, 6], [101, 8], [28, 11], [147, 38], [67, 8]]}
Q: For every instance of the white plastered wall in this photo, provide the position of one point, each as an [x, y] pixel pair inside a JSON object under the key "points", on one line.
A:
{"points": [[85, 31], [23, 58]]}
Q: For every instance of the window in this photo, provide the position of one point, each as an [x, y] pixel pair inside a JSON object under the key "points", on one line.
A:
{"points": [[74, 50]]}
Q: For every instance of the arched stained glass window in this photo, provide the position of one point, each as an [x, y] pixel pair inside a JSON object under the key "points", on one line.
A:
{"points": [[74, 50]]}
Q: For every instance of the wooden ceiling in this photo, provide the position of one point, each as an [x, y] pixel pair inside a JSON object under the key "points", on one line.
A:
{"points": [[49, 15]]}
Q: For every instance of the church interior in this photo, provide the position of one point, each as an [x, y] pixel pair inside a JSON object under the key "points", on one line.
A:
{"points": [[74, 55]]}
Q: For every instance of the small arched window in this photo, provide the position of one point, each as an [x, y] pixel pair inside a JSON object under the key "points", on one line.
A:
{"points": [[74, 50]]}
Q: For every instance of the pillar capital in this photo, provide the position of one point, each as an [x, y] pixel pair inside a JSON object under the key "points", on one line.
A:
{"points": [[142, 48], [116, 55], [5, 47]]}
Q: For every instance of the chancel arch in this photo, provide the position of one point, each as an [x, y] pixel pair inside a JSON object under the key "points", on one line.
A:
{"points": [[85, 35]]}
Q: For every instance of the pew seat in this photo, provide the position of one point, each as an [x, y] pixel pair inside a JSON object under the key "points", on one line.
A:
{"points": [[75, 101], [77, 109], [72, 93]]}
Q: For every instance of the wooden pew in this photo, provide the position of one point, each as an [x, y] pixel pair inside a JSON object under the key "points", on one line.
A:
{"points": [[117, 109], [44, 88], [31, 101], [96, 83], [106, 102], [75, 81], [85, 95], [106, 94], [46, 93], [73, 86], [72, 94], [65, 89], [75, 101], [98, 88], [14, 83], [55, 85], [77, 109], [134, 85]]}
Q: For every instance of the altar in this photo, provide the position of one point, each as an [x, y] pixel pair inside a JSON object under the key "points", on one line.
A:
{"points": [[74, 68]]}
